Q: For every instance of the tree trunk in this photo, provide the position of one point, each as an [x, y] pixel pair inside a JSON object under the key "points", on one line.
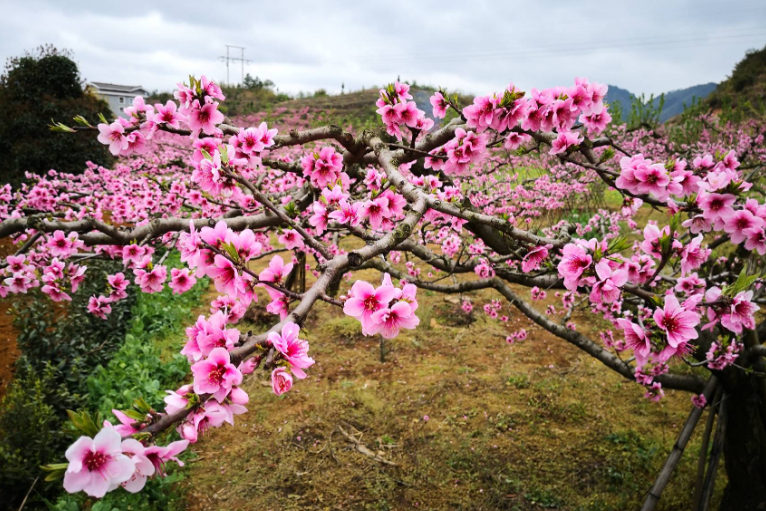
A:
{"points": [[744, 445]]}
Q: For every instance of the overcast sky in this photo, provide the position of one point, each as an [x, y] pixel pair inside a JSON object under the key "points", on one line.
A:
{"points": [[474, 46]]}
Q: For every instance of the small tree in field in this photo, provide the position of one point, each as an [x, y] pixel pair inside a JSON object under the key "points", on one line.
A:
{"points": [[34, 89], [682, 293]]}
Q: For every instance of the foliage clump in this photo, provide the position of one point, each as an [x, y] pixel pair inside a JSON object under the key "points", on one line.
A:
{"points": [[34, 89]]}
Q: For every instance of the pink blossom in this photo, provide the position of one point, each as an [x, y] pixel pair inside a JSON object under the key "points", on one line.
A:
{"points": [[134, 450], [126, 426], [181, 281], [678, 323], [376, 211], [151, 281], [636, 340], [97, 465], [293, 349], [740, 314], [276, 271], [291, 239], [699, 400], [564, 141], [167, 115], [281, 381], [716, 207], [737, 222], [204, 118], [347, 213], [574, 261], [439, 105], [216, 375], [756, 239], [177, 400], [693, 255], [99, 306], [534, 258], [226, 276], [607, 289], [113, 135], [364, 300], [323, 167], [387, 322]]}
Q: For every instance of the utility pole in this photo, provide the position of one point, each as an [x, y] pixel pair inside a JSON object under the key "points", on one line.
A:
{"points": [[228, 58]]}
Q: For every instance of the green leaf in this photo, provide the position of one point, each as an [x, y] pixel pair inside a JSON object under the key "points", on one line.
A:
{"points": [[59, 127], [607, 155], [83, 422], [56, 471], [618, 244], [134, 415], [79, 119], [744, 281], [102, 118], [231, 251], [141, 405]]}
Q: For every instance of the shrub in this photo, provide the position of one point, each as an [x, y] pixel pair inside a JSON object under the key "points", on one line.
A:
{"points": [[30, 430], [34, 89]]}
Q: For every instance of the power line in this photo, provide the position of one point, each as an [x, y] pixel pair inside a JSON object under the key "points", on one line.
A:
{"points": [[555, 50], [228, 58]]}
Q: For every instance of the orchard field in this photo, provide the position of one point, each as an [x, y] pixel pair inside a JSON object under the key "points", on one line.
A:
{"points": [[395, 298]]}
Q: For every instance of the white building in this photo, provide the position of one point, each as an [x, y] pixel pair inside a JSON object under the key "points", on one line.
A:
{"points": [[118, 96]]}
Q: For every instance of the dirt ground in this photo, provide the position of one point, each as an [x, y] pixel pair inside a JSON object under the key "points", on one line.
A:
{"points": [[8, 350], [455, 418]]}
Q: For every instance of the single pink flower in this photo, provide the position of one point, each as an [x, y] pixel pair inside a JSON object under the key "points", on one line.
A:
{"points": [[564, 141], [97, 465], [365, 300], [294, 350], [113, 135], [144, 469], [574, 261], [181, 281], [281, 381], [204, 118], [216, 374], [387, 322], [678, 323]]}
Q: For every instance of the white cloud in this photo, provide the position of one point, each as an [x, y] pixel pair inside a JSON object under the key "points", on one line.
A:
{"points": [[478, 46]]}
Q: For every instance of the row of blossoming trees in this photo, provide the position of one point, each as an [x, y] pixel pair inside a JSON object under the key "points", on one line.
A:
{"points": [[681, 293]]}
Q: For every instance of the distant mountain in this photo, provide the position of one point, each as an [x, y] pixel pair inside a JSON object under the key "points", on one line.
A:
{"points": [[621, 97], [674, 100]]}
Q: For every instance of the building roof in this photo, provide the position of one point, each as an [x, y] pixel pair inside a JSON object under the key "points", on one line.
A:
{"points": [[112, 87]]}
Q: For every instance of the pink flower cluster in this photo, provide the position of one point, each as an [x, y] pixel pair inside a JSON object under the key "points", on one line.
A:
{"points": [[105, 462], [456, 156], [396, 111], [384, 310]]}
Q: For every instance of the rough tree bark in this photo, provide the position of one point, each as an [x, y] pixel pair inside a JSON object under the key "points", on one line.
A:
{"points": [[744, 445]]}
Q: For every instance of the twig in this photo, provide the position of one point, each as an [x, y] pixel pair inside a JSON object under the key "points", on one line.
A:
{"points": [[360, 447], [28, 493]]}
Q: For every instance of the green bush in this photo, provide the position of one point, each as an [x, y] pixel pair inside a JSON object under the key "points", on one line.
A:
{"points": [[69, 338], [134, 352], [139, 367], [34, 89], [30, 429]]}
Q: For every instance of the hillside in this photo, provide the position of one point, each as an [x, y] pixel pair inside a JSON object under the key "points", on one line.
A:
{"points": [[746, 85]]}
